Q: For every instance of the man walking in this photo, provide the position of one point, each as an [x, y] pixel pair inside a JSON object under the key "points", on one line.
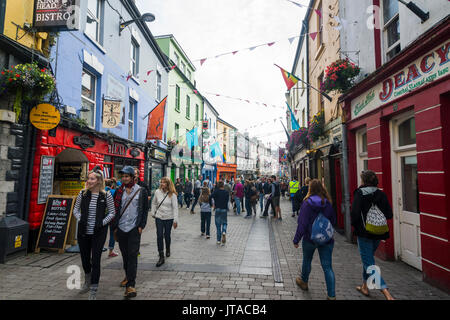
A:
{"points": [[275, 194], [179, 189], [188, 189], [131, 202], [293, 188], [238, 195], [197, 189]]}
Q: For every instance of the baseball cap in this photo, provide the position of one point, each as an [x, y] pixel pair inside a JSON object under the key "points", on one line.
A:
{"points": [[127, 170]]}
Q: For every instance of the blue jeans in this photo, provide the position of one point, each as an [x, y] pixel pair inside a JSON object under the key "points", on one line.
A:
{"points": [[325, 254], [180, 199], [261, 201], [367, 248], [292, 201], [111, 238], [205, 223], [248, 207], [163, 229], [238, 205], [221, 222]]}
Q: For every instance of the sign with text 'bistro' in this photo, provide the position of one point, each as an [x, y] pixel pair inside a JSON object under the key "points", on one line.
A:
{"points": [[428, 68], [56, 15]]}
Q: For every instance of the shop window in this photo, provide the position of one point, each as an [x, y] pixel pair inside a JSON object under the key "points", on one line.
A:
{"points": [[391, 31], [94, 20], [407, 133], [120, 162], [88, 92]]}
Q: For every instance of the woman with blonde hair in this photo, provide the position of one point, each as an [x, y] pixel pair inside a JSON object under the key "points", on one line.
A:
{"points": [[94, 209], [316, 201], [165, 212]]}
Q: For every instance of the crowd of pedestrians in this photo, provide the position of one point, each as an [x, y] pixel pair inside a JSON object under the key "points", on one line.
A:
{"points": [[122, 207]]}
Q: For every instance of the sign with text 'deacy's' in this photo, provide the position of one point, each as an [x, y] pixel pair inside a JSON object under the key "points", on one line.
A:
{"points": [[425, 70], [56, 15]]}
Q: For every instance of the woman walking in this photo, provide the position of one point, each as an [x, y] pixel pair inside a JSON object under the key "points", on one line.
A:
{"points": [[165, 212], [94, 209], [206, 203], [317, 201], [363, 199], [221, 199]]}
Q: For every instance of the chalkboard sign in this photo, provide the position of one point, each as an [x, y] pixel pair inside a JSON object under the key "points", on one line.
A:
{"points": [[55, 223], [46, 178]]}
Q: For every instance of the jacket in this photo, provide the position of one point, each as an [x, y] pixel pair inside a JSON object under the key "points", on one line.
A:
{"points": [[221, 198], [206, 206], [188, 188], [249, 192], [168, 209], [143, 207], [363, 198], [308, 213], [239, 188], [84, 209]]}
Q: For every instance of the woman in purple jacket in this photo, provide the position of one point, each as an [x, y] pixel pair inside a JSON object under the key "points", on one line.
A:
{"points": [[316, 201]]}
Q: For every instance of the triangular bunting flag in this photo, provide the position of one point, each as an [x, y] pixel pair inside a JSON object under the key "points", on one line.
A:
{"points": [[195, 91], [148, 73], [297, 4], [291, 39], [234, 52], [313, 35], [252, 48], [145, 81], [173, 67], [128, 77], [319, 13], [270, 44], [202, 61]]}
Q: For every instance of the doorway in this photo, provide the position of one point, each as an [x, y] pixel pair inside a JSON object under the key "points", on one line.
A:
{"points": [[405, 191]]}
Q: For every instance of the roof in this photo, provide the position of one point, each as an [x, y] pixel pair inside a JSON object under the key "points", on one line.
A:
{"points": [[211, 106], [226, 123]]}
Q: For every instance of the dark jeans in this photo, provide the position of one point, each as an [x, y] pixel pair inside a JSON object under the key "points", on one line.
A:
{"points": [[129, 243], [91, 248], [205, 223], [196, 196], [111, 237], [163, 229], [248, 206], [221, 222], [180, 199], [187, 199]]}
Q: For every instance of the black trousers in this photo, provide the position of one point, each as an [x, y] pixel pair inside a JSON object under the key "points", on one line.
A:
{"points": [[91, 248], [163, 230], [129, 243], [187, 199]]}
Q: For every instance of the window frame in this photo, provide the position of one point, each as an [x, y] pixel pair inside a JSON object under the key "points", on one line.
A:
{"points": [[386, 25], [361, 155], [134, 58], [177, 98], [132, 109], [98, 20], [158, 85], [94, 101], [188, 107]]}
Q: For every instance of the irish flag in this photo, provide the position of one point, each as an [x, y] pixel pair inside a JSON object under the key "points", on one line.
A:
{"points": [[289, 78]]}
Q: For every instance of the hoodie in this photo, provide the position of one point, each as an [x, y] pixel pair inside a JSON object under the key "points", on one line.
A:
{"points": [[363, 198], [308, 213]]}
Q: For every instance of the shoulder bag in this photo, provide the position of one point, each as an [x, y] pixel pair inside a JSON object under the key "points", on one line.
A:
{"points": [[123, 210], [154, 215]]}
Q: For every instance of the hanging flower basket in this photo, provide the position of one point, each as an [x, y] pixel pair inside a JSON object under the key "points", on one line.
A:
{"points": [[27, 82], [316, 127], [298, 137], [339, 76]]}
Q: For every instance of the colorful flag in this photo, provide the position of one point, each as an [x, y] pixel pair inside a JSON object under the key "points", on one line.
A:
{"points": [[148, 72], [313, 35], [319, 13], [294, 124], [156, 121], [202, 61], [290, 79], [192, 138], [215, 151]]}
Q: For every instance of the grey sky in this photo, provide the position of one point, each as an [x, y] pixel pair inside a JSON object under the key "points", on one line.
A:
{"points": [[206, 28]]}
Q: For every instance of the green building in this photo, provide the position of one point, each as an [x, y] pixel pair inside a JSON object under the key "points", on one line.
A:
{"points": [[184, 112]]}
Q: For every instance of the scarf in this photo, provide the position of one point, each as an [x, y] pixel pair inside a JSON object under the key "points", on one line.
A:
{"points": [[119, 194]]}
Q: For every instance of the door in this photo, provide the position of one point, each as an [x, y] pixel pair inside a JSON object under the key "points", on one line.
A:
{"points": [[405, 191]]}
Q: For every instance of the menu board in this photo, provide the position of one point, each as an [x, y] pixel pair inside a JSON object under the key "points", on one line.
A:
{"points": [[55, 223], [46, 178]]}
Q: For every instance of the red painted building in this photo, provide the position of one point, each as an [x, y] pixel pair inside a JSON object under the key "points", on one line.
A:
{"points": [[398, 125], [63, 159]]}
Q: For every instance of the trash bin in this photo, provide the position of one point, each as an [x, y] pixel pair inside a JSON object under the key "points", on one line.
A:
{"points": [[13, 237]]}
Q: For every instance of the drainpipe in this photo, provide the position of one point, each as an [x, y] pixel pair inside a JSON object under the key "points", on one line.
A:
{"points": [[347, 217], [307, 87]]}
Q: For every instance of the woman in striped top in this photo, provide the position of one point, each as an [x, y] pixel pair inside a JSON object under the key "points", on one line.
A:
{"points": [[94, 209]]}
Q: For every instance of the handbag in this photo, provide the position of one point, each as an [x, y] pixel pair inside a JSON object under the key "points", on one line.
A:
{"points": [[154, 215], [116, 238]]}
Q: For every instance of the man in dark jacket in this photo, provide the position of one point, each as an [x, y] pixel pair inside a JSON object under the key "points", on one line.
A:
{"points": [[179, 189], [131, 202], [188, 189], [300, 195]]}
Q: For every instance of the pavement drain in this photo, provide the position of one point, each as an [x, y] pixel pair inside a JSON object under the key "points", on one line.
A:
{"points": [[278, 278]]}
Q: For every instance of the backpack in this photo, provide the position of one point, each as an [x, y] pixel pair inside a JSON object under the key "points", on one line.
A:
{"points": [[376, 222], [321, 231]]}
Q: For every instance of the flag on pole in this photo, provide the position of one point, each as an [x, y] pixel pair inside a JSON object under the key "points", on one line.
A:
{"points": [[290, 79], [285, 130], [215, 151], [192, 138], [156, 121], [294, 123]]}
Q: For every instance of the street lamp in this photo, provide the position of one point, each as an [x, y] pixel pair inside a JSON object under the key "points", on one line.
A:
{"points": [[146, 17]]}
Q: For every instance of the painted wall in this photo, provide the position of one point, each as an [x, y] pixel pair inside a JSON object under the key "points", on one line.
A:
{"points": [[110, 63], [211, 116]]}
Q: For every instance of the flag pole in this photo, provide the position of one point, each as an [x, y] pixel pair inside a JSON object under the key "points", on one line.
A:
{"points": [[289, 137], [322, 93]]}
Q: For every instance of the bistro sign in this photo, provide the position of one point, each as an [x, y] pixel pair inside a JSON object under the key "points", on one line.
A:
{"points": [[55, 15], [428, 68]]}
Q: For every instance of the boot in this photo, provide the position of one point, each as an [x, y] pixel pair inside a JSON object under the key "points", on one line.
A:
{"points": [[167, 252], [87, 283], [161, 259]]}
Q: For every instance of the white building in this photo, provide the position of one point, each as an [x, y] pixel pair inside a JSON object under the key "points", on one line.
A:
{"points": [[209, 137]]}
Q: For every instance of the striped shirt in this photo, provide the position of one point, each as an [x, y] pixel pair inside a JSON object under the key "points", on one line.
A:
{"points": [[92, 210]]}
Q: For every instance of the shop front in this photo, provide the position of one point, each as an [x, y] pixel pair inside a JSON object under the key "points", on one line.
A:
{"points": [[399, 127], [63, 159], [226, 172], [157, 166], [209, 171]]}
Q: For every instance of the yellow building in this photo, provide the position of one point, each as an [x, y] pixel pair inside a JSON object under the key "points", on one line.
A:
{"points": [[16, 21], [226, 136]]}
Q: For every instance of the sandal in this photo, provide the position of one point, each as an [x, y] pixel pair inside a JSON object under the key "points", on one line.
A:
{"points": [[359, 288]]}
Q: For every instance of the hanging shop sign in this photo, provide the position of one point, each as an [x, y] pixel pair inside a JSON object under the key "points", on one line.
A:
{"points": [[111, 113], [159, 155], [116, 148], [44, 116], [427, 69], [83, 141], [46, 174], [56, 15], [135, 152]]}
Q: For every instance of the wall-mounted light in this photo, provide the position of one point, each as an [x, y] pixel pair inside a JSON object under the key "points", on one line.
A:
{"points": [[146, 17], [417, 11]]}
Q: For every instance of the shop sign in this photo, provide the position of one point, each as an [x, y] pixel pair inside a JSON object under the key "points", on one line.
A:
{"points": [[46, 173], [118, 149], [56, 15], [427, 69], [159, 155], [111, 113], [44, 116], [84, 141], [135, 152], [71, 188]]}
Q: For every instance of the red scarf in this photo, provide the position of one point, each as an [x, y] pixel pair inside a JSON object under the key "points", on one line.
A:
{"points": [[119, 194]]}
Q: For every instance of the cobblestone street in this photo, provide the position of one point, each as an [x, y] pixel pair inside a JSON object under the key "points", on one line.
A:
{"points": [[251, 265]]}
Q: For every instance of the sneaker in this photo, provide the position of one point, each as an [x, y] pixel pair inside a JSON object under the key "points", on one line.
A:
{"points": [[208, 237], [224, 238], [202, 235], [124, 282], [93, 294], [218, 242], [293, 215], [303, 285], [112, 254], [331, 298], [130, 292]]}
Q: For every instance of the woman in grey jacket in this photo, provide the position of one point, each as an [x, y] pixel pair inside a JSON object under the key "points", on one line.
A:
{"points": [[165, 212]]}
